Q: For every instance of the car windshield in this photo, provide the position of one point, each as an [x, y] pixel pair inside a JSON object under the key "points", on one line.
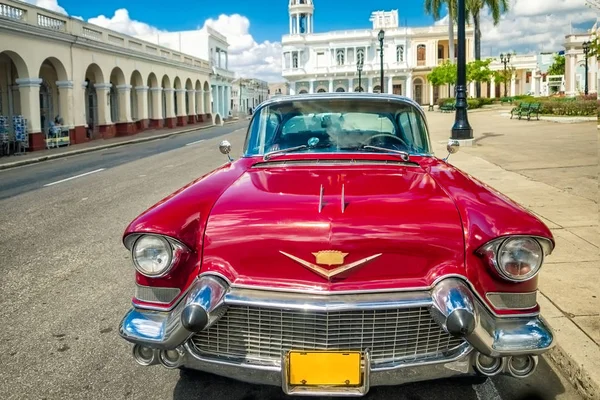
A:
{"points": [[337, 126]]}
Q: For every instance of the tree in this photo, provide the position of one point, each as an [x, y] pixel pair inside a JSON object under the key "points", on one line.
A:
{"points": [[443, 74], [558, 66], [479, 71], [504, 76], [473, 9], [433, 8]]}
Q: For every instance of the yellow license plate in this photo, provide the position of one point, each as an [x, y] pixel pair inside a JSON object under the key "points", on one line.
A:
{"points": [[324, 368]]}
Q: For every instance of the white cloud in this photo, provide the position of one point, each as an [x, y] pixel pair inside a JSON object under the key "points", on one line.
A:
{"points": [[247, 57], [51, 5], [534, 25], [121, 22]]}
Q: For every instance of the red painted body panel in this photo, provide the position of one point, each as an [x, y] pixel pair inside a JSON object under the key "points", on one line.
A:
{"points": [[426, 220]]}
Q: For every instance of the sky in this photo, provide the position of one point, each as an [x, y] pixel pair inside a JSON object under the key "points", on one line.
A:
{"points": [[254, 29]]}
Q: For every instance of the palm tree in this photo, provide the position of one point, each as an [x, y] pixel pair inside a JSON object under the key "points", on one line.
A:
{"points": [[433, 8], [473, 9]]}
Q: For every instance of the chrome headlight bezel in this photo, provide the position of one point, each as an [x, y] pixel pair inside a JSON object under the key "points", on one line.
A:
{"points": [[491, 252], [175, 251]]}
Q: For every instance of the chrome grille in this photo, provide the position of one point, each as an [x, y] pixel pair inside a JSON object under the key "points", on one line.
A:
{"points": [[260, 335]]}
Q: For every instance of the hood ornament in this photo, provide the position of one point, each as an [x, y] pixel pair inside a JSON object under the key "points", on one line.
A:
{"points": [[330, 257]]}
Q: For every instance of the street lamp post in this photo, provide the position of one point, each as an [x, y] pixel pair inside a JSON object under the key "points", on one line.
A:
{"points": [[359, 67], [505, 59], [380, 36], [586, 48], [462, 129]]}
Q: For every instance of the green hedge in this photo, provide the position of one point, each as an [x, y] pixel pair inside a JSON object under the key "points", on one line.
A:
{"points": [[473, 103], [573, 108]]}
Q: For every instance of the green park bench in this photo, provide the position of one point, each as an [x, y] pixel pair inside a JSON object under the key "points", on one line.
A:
{"points": [[534, 108], [520, 110], [448, 106]]}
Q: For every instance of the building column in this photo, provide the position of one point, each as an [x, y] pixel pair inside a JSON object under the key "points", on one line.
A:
{"points": [[181, 108], [492, 94], [142, 107], [471, 92], [29, 94], [390, 85], [125, 125], [330, 85], [199, 94], [408, 89], [369, 84], [191, 110], [297, 24], [103, 94], [351, 80], [512, 84], [65, 106], [156, 119], [311, 88], [170, 117], [431, 91]]}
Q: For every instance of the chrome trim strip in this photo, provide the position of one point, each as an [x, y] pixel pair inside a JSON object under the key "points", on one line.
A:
{"points": [[139, 287], [459, 365], [378, 301]]}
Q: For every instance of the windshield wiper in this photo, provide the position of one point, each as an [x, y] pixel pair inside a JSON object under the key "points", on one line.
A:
{"points": [[282, 151], [403, 154]]}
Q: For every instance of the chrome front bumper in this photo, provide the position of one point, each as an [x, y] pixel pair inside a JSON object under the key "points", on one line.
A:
{"points": [[165, 336]]}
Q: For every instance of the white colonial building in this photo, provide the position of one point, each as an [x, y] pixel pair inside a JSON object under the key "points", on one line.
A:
{"points": [[206, 44], [327, 62], [62, 76], [247, 93], [575, 63]]}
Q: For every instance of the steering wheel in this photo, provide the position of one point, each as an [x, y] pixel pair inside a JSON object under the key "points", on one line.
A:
{"points": [[385, 135]]}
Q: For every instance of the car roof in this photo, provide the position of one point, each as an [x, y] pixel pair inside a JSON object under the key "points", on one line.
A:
{"points": [[339, 95]]}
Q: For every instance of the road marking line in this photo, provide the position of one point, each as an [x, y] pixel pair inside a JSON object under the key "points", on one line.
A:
{"points": [[73, 177], [196, 142], [487, 391]]}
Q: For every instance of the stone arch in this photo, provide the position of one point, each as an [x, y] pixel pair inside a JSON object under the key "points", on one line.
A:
{"points": [[53, 74], [21, 69], [321, 90], [165, 84], [135, 81], [199, 98], [377, 89], [207, 108], [93, 76], [340, 89], [190, 100], [418, 84], [176, 94], [217, 120], [359, 89], [117, 79], [152, 82], [303, 91]]}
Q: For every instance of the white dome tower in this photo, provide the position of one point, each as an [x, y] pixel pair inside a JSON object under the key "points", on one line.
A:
{"points": [[301, 17]]}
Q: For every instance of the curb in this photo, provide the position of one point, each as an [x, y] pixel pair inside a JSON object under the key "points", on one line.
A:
{"points": [[105, 146], [575, 354]]}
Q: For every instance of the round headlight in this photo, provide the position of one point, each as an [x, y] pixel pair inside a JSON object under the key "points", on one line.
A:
{"points": [[152, 255], [519, 259]]}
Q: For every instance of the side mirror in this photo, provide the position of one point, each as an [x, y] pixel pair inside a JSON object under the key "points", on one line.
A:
{"points": [[452, 147], [225, 148]]}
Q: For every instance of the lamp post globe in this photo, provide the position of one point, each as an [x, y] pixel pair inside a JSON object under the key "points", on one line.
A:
{"points": [[381, 36], [586, 48], [461, 130]]}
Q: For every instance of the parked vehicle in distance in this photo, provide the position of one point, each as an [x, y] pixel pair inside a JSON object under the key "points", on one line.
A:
{"points": [[338, 253]]}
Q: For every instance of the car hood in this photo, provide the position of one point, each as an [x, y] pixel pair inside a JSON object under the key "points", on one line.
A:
{"points": [[387, 227]]}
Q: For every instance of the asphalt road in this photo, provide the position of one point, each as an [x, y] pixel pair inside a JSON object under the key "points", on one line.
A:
{"points": [[66, 281]]}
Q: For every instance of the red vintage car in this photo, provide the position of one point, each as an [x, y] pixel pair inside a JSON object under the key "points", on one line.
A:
{"points": [[338, 253]]}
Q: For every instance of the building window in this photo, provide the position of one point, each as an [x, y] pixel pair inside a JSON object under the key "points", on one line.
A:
{"points": [[360, 56], [340, 57], [421, 54], [295, 59], [441, 51], [400, 53]]}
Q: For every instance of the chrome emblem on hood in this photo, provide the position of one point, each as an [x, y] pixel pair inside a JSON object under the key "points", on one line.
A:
{"points": [[330, 257]]}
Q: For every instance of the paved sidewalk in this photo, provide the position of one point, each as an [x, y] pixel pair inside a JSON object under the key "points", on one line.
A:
{"points": [[99, 144], [551, 169]]}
